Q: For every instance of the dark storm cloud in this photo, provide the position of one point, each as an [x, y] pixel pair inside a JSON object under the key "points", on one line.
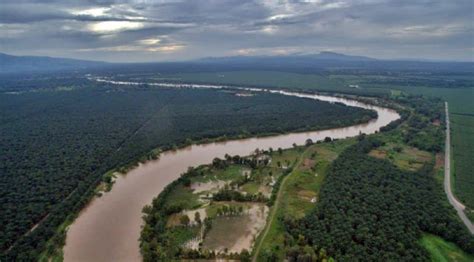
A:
{"points": [[145, 30]]}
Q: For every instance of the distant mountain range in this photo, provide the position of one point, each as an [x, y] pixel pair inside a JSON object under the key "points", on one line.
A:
{"points": [[294, 62], [14, 64], [325, 56]]}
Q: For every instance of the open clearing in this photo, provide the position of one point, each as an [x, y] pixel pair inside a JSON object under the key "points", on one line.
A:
{"points": [[443, 251], [405, 157], [236, 233], [298, 192]]}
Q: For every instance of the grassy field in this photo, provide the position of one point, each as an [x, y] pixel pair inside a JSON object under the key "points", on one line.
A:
{"points": [[299, 192], [405, 157], [184, 196], [443, 251]]}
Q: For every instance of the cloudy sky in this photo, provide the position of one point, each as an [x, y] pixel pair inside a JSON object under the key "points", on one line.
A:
{"points": [[164, 30]]}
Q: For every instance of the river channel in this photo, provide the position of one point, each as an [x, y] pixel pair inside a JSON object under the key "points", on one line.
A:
{"points": [[109, 227]]}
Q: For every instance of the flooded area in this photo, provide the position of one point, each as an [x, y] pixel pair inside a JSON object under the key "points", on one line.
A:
{"points": [[109, 228], [236, 233]]}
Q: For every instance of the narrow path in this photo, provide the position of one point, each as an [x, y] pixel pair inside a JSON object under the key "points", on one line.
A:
{"points": [[275, 208], [447, 177]]}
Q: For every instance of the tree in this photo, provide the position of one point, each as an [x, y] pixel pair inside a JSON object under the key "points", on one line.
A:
{"points": [[257, 151], [236, 159], [245, 256], [197, 217], [184, 220], [186, 182], [225, 209], [309, 142], [280, 151], [327, 139], [361, 177]]}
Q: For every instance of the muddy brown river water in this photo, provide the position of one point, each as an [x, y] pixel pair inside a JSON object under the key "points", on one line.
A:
{"points": [[109, 227]]}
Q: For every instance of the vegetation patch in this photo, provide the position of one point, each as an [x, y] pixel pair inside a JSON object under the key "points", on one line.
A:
{"points": [[213, 211], [405, 157], [441, 250], [384, 187], [370, 204], [461, 110], [299, 194]]}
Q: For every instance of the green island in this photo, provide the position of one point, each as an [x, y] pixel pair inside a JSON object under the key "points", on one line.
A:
{"points": [[328, 202]]}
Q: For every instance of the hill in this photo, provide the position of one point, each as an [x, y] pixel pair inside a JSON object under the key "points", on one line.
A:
{"points": [[16, 64], [292, 58]]}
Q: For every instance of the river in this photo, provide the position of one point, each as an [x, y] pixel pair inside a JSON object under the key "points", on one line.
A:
{"points": [[109, 227]]}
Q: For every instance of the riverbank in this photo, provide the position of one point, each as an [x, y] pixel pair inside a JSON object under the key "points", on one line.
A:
{"points": [[171, 164], [168, 131]]}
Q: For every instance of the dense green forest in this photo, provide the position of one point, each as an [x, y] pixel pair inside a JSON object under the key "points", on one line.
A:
{"points": [[56, 143], [371, 210]]}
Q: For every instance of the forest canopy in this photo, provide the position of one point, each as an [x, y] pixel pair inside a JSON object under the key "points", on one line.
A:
{"points": [[57, 143], [370, 210]]}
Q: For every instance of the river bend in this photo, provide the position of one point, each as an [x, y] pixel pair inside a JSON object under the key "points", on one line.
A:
{"points": [[109, 227]]}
